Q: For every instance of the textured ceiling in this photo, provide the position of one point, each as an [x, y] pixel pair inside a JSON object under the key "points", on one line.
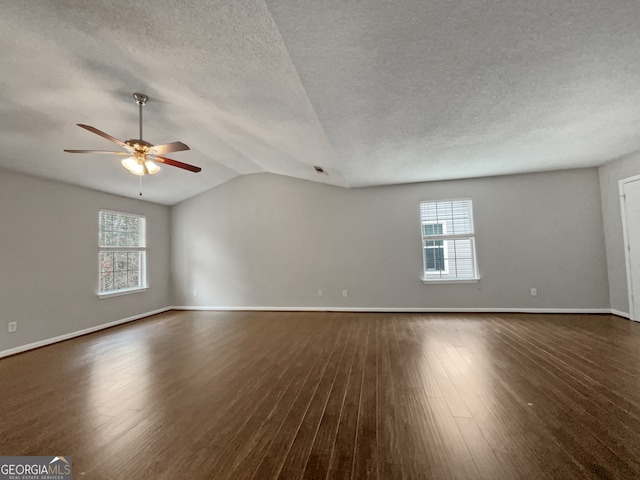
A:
{"points": [[376, 92]]}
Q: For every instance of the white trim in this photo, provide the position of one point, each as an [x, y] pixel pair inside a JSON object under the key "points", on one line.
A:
{"points": [[437, 281], [119, 212], [625, 237], [620, 313], [78, 333], [457, 199], [127, 291], [453, 236], [392, 309], [627, 180]]}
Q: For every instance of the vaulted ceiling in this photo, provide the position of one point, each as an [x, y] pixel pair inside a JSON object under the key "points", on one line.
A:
{"points": [[376, 92]]}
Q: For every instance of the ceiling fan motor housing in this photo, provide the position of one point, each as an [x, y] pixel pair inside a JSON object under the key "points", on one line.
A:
{"points": [[139, 145]]}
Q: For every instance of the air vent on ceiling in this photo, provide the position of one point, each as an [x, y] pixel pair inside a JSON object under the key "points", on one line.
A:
{"points": [[320, 169]]}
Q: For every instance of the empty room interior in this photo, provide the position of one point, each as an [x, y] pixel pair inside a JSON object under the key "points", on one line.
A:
{"points": [[272, 239]]}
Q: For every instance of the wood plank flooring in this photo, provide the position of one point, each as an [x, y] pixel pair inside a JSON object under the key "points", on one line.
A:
{"points": [[320, 395]]}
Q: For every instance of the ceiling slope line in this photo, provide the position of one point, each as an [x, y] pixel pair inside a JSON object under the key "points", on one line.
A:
{"points": [[335, 166]]}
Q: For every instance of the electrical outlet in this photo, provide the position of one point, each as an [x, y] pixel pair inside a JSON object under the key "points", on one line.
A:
{"points": [[344, 293], [534, 292], [13, 327], [320, 293], [195, 293]]}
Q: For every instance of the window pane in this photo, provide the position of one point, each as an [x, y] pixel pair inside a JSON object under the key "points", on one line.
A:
{"points": [[434, 259], [134, 260], [461, 260], [120, 280], [106, 261], [120, 261], [121, 230], [432, 229], [120, 270], [106, 282], [453, 215], [134, 279]]}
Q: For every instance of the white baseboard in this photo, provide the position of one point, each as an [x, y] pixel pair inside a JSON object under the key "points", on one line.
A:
{"points": [[399, 309], [620, 314], [67, 336]]}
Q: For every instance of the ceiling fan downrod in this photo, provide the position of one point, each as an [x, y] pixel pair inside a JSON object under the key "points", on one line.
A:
{"points": [[141, 100]]}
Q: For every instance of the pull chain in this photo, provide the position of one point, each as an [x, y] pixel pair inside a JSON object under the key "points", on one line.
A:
{"points": [[140, 185]]}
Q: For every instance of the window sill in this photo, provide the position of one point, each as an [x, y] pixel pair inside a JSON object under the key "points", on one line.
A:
{"points": [[117, 293], [440, 281]]}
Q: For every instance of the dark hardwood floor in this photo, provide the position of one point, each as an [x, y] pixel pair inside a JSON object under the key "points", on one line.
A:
{"points": [[301, 395]]}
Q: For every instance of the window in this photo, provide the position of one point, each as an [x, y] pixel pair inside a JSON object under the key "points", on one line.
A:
{"points": [[448, 246], [121, 260]]}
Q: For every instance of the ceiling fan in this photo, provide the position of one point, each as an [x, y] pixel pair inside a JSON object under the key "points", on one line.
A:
{"points": [[141, 156]]}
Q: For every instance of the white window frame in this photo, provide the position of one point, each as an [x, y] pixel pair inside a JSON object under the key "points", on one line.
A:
{"points": [[445, 250], [436, 276], [142, 267]]}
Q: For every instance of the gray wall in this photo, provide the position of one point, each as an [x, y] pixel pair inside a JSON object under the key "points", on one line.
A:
{"points": [[49, 255], [271, 241], [610, 174]]}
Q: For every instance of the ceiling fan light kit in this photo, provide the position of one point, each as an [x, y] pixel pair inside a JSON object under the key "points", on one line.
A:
{"points": [[140, 167], [142, 155]]}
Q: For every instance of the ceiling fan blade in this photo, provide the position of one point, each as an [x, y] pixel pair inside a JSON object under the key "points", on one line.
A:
{"points": [[98, 151], [168, 148], [175, 163], [107, 136]]}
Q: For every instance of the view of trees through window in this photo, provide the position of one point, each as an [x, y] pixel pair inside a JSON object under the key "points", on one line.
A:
{"points": [[122, 251]]}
